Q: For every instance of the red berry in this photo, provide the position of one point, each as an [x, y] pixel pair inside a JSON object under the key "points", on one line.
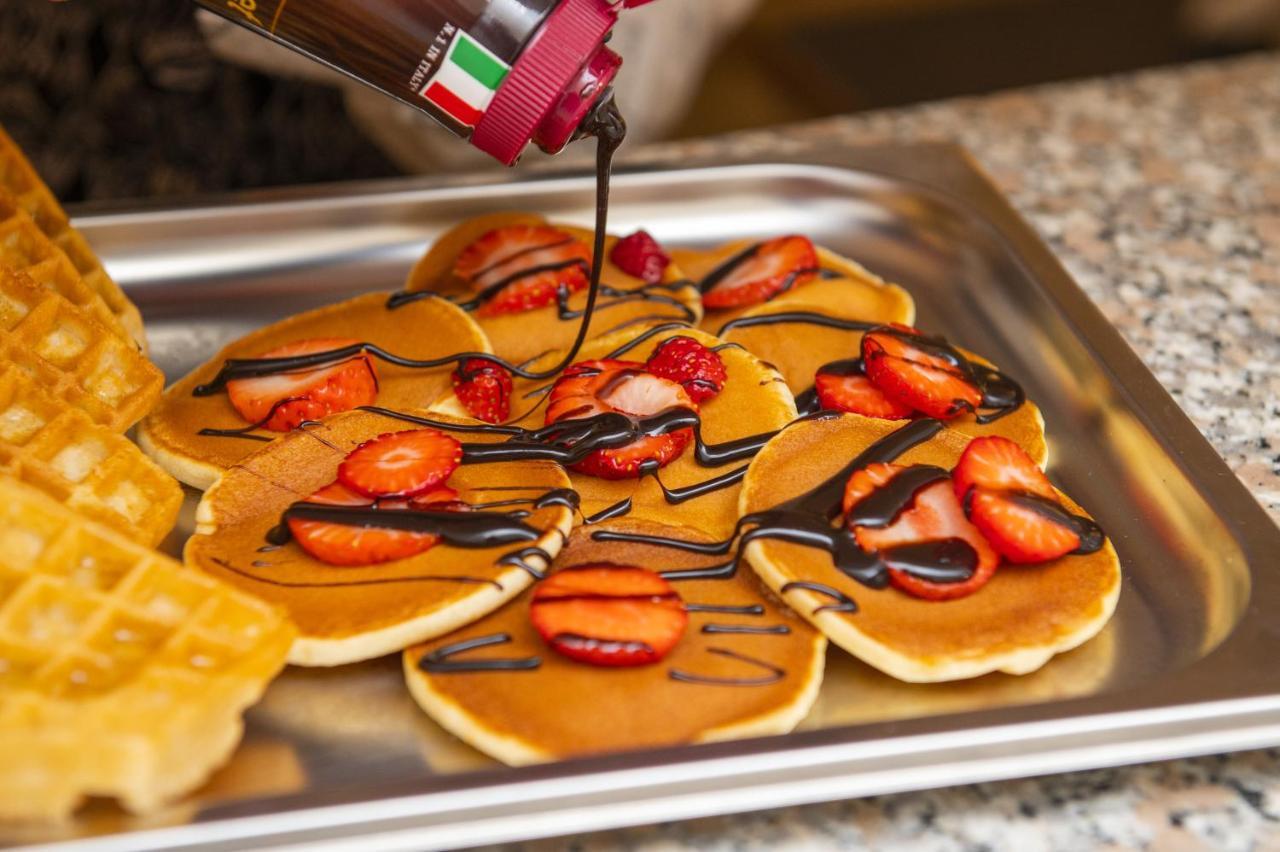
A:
{"points": [[401, 464], [281, 401], [685, 361], [484, 389], [528, 264], [911, 376], [773, 267], [855, 393], [596, 387], [998, 464], [934, 515], [640, 256], [1016, 530], [349, 545], [608, 615]]}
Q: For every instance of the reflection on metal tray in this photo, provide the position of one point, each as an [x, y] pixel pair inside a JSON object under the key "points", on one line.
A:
{"points": [[1186, 666]]}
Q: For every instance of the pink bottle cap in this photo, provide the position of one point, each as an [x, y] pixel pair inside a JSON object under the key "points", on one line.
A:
{"points": [[554, 83]]}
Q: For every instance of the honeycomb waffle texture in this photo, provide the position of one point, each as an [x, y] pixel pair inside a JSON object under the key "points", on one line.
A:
{"points": [[121, 673], [99, 473], [26, 201], [72, 356]]}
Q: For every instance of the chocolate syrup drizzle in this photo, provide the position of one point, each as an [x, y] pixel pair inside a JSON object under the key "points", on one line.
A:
{"points": [[774, 675], [440, 660], [813, 520]]}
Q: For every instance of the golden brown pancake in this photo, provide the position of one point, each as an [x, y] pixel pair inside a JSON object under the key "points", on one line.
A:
{"points": [[421, 330], [349, 614], [520, 336], [1015, 623], [754, 400], [565, 708], [856, 293]]}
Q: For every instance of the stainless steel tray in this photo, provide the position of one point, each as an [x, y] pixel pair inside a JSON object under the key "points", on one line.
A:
{"points": [[1187, 666]]}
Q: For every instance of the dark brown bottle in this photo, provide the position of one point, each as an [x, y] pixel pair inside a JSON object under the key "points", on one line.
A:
{"points": [[500, 73]]}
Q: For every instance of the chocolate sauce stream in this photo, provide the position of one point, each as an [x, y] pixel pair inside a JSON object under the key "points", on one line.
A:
{"points": [[606, 124], [439, 662]]}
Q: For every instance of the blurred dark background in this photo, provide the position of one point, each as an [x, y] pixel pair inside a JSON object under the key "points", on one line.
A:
{"points": [[122, 98]]}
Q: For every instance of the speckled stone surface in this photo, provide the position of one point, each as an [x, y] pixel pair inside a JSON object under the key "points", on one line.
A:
{"points": [[1161, 192]]}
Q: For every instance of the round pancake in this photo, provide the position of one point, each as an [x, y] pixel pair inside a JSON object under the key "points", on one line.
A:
{"points": [[520, 336], [857, 292], [349, 614], [564, 708], [1015, 623], [169, 434], [755, 400]]}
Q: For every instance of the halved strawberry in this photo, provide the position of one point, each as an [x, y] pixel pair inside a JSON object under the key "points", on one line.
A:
{"points": [[640, 256], [524, 266], [774, 266], [998, 464], [685, 361], [401, 464], [839, 391], [484, 389], [910, 375], [934, 516], [1019, 532], [608, 615], [596, 387], [281, 401], [351, 544]]}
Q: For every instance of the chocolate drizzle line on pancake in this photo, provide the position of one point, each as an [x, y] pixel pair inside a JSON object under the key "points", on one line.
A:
{"points": [[728, 609], [771, 629], [843, 603], [439, 662], [243, 432], [617, 510], [372, 581], [607, 126], [774, 675], [520, 560]]}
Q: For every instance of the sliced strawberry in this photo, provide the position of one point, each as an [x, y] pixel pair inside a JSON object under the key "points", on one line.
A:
{"points": [[841, 391], [934, 516], [401, 464], [998, 464], [281, 401], [910, 375], [484, 389], [597, 387], [640, 256], [521, 267], [351, 544], [685, 361], [608, 615], [772, 267], [1019, 532]]}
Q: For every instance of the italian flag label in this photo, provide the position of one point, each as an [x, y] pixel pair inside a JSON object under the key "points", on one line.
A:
{"points": [[466, 80]]}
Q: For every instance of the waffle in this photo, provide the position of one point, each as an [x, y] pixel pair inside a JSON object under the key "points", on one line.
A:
{"points": [[25, 190], [100, 474], [72, 356], [121, 673]]}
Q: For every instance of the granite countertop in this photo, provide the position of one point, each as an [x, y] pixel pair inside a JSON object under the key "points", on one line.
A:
{"points": [[1161, 193]]}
